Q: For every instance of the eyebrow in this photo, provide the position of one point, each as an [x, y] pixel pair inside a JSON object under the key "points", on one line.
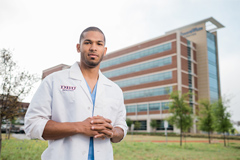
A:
{"points": [[91, 40]]}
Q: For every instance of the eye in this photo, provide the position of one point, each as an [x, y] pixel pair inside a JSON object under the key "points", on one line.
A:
{"points": [[86, 42], [100, 44]]}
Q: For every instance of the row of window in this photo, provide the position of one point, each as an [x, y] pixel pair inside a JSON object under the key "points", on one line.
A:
{"points": [[160, 125], [145, 79], [136, 55], [147, 107], [139, 67], [147, 93]]}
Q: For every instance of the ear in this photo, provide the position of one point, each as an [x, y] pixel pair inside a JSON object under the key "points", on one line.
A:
{"points": [[105, 51], [78, 47]]}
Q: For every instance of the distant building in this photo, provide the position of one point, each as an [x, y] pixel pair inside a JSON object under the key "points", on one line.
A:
{"points": [[59, 67], [184, 59]]}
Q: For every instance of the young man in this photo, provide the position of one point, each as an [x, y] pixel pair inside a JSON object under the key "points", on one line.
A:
{"points": [[79, 110]]}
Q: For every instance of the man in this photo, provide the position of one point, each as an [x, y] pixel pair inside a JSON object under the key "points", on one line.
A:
{"points": [[79, 110]]}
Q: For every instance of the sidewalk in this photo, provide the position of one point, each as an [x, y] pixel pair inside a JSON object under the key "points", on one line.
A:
{"points": [[20, 136]]}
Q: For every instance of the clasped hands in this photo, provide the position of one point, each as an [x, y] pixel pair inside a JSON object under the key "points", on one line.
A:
{"points": [[98, 127]]}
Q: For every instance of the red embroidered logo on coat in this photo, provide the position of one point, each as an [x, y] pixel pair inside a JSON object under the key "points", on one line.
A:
{"points": [[67, 88]]}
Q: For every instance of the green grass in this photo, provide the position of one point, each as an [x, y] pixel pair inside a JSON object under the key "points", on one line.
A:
{"points": [[14, 149], [135, 147]]}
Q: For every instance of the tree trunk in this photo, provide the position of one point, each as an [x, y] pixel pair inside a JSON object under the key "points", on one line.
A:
{"points": [[181, 138], [9, 132], [224, 140], [209, 138]]}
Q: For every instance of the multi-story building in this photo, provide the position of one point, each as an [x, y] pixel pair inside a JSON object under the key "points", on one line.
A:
{"points": [[184, 59]]}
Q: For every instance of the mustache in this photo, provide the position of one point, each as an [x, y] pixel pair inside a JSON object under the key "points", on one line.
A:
{"points": [[93, 53]]}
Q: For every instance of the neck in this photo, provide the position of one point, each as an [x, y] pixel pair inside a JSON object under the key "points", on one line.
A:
{"points": [[89, 73]]}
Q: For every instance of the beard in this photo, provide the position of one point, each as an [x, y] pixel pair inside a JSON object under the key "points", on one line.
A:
{"points": [[91, 63]]}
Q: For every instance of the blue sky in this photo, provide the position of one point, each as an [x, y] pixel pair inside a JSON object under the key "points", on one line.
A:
{"points": [[44, 33]]}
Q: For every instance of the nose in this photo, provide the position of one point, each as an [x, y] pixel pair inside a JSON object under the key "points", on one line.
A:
{"points": [[93, 47]]}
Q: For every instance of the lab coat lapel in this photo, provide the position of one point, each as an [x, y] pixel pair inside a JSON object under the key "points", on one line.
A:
{"points": [[85, 89], [75, 73], [100, 91]]}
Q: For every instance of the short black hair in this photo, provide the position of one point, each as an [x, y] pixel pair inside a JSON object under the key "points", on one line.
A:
{"points": [[92, 29]]}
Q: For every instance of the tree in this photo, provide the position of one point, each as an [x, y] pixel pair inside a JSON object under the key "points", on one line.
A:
{"points": [[232, 130], [181, 112], [14, 86], [153, 124], [222, 121], [137, 125], [206, 118], [129, 122]]}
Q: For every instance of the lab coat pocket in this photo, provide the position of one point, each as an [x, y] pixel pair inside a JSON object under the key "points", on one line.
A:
{"points": [[69, 96]]}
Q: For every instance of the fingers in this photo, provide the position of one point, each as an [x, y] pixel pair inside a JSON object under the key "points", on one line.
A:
{"points": [[99, 118], [104, 134], [99, 126]]}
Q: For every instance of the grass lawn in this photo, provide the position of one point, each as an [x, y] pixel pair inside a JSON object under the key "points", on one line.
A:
{"points": [[136, 148]]}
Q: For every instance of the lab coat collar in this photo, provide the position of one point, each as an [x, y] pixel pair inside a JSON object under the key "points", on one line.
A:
{"points": [[75, 73]]}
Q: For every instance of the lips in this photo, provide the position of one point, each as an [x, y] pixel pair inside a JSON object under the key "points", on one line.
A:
{"points": [[92, 55]]}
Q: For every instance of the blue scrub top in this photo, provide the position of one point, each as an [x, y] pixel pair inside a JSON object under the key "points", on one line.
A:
{"points": [[93, 96]]}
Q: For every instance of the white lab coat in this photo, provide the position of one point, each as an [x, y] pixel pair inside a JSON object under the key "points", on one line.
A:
{"points": [[64, 97]]}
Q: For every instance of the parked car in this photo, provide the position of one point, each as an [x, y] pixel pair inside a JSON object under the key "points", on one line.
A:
{"points": [[21, 130], [14, 129]]}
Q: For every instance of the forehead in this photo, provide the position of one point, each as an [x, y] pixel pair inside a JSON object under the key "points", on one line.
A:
{"points": [[93, 36]]}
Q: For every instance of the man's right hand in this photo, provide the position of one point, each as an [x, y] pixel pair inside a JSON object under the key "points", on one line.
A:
{"points": [[96, 126]]}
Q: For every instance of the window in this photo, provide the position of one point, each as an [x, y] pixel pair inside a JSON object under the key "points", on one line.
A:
{"points": [[212, 67], [160, 125], [142, 107], [145, 79], [143, 125], [136, 55], [165, 105], [131, 108], [147, 93], [154, 107], [139, 67]]}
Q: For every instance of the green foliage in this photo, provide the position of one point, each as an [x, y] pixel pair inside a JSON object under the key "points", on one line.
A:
{"points": [[129, 122], [222, 117], [14, 86], [137, 125], [222, 122], [153, 123], [181, 111], [206, 118], [232, 130]]}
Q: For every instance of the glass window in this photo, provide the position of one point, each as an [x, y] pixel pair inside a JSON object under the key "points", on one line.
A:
{"points": [[212, 66], [136, 55], [143, 125], [165, 105], [145, 79], [147, 93], [131, 108], [142, 107], [160, 125], [139, 67], [154, 107]]}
